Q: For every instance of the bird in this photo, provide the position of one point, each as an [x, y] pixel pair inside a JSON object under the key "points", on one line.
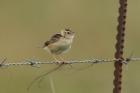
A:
{"points": [[59, 43]]}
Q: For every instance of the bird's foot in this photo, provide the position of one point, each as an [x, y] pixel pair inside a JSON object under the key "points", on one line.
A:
{"points": [[61, 62], [64, 62], [58, 62]]}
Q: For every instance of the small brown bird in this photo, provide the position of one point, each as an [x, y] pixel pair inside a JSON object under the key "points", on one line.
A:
{"points": [[59, 43]]}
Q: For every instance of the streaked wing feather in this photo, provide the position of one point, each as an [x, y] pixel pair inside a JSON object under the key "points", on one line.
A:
{"points": [[53, 39]]}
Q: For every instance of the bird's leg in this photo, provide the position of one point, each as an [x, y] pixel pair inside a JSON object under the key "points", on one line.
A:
{"points": [[59, 62], [62, 59]]}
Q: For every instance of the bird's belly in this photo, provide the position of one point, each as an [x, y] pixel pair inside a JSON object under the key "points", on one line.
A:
{"points": [[58, 48], [61, 48]]}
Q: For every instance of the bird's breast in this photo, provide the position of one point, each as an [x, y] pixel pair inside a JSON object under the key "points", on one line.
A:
{"points": [[59, 47]]}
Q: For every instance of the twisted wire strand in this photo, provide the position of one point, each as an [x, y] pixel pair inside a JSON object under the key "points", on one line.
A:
{"points": [[36, 64]]}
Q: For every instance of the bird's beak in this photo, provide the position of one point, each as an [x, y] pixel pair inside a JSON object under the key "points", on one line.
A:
{"points": [[74, 32]]}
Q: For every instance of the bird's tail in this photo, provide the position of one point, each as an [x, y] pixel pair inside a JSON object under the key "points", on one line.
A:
{"points": [[40, 47]]}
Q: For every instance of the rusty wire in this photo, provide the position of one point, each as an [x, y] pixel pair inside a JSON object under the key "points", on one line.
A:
{"points": [[119, 46]]}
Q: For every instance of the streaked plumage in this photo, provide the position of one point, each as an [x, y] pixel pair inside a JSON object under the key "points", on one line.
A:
{"points": [[60, 43]]}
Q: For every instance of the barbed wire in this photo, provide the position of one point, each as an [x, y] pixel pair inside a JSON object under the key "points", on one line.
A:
{"points": [[93, 61], [33, 63]]}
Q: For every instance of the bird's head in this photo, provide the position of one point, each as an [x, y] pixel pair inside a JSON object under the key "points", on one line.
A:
{"points": [[67, 33]]}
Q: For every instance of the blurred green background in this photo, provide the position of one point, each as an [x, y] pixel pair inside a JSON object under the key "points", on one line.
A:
{"points": [[26, 24]]}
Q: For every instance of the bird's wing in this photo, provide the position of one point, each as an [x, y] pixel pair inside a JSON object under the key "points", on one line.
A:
{"points": [[53, 39]]}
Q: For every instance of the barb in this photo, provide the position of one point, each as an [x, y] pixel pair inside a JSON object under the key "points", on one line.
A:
{"points": [[1, 64], [127, 60], [33, 63]]}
